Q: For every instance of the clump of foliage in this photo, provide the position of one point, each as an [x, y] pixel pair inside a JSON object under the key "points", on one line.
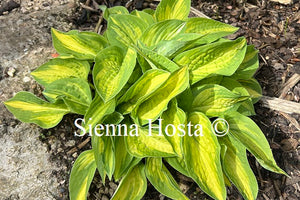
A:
{"points": [[158, 65]]}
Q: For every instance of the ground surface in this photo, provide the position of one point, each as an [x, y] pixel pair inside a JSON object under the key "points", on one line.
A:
{"points": [[35, 163]]}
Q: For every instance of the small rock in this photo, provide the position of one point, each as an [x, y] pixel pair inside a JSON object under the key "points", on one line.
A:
{"points": [[111, 191], [11, 72], [75, 155], [26, 79], [289, 144], [104, 197], [70, 143], [286, 2], [278, 66], [113, 185]]}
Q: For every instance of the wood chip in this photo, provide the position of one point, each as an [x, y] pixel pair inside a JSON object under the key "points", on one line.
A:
{"points": [[286, 2], [292, 120], [81, 145], [288, 85], [281, 105]]}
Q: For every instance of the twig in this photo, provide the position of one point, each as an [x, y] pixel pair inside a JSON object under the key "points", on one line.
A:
{"points": [[288, 85], [198, 13], [280, 105], [292, 120], [97, 28], [88, 8], [81, 145]]}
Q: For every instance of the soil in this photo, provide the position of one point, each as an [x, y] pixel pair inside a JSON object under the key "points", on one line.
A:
{"points": [[36, 163]]}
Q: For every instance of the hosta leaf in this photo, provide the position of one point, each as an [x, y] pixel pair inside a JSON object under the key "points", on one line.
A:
{"points": [[97, 111], [133, 186], [250, 135], [149, 11], [58, 68], [178, 164], [112, 70], [171, 48], [176, 9], [144, 16], [156, 60], [160, 177], [123, 158], [174, 116], [185, 99], [209, 27], [113, 118], [236, 167], [149, 144], [31, 109], [214, 100], [165, 30], [104, 155], [202, 158], [82, 175], [219, 58], [249, 65], [83, 45], [153, 107], [124, 30], [142, 88], [75, 92], [246, 107], [253, 88], [114, 10]]}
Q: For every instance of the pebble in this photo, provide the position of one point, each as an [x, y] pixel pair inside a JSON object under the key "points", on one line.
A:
{"points": [[70, 143], [75, 155], [26, 79], [11, 72], [104, 197], [113, 185], [278, 66]]}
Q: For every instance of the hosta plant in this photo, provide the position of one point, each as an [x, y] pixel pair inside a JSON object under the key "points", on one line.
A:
{"points": [[148, 90]]}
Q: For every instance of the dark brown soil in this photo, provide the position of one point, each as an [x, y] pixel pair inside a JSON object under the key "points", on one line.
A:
{"points": [[274, 29]]}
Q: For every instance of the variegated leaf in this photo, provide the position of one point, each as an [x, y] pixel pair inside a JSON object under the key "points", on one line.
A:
{"points": [[144, 16], [246, 107], [212, 29], [113, 10], [81, 45], [236, 167], [161, 31], [215, 100], [202, 158], [250, 135], [133, 186], [142, 88], [249, 65], [75, 92], [148, 142], [112, 70], [174, 116], [97, 111], [155, 60], [31, 109], [103, 149], [219, 58], [176, 9], [82, 175], [58, 68], [253, 88], [160, 177], [157, 102], [123, 158], [124, 30]]}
